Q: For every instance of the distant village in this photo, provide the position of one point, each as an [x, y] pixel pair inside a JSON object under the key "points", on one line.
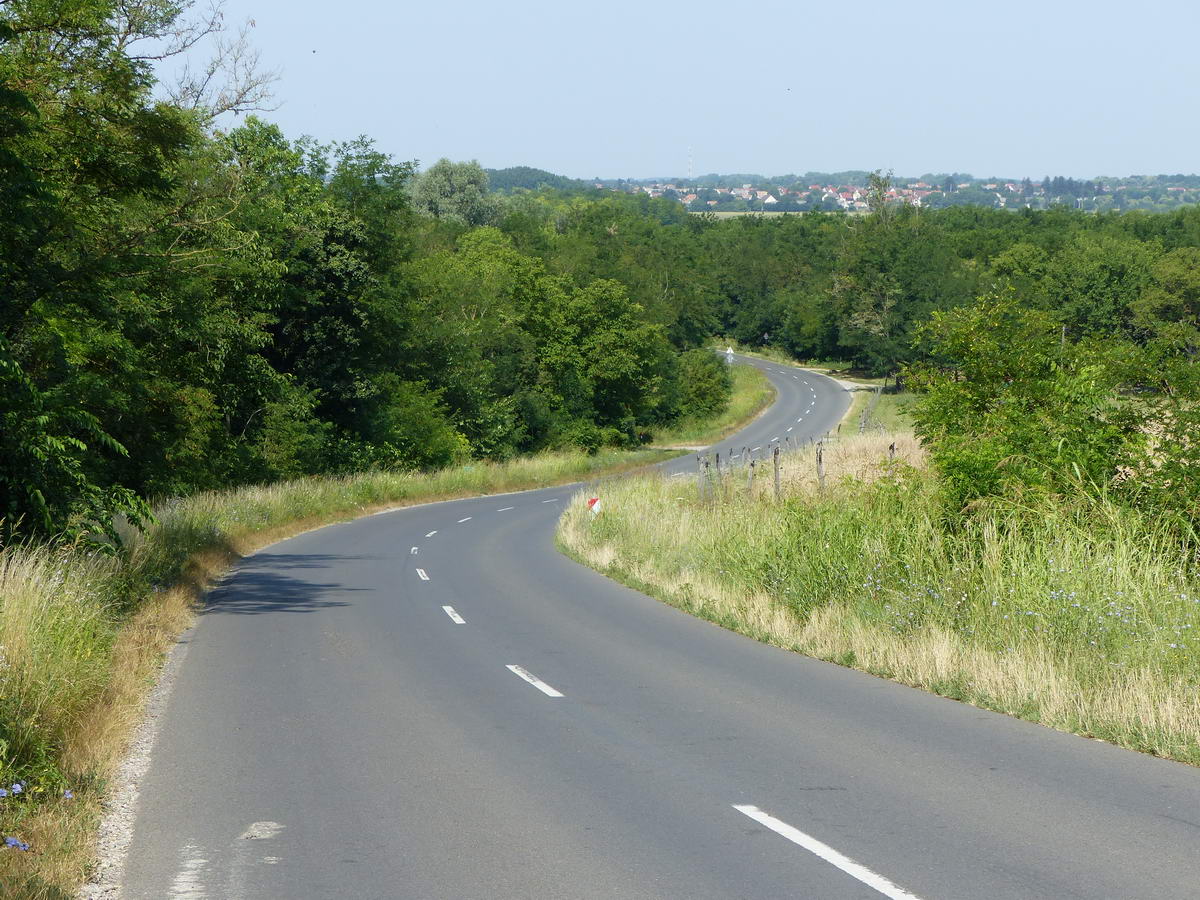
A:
{"points": [[709, 193]]}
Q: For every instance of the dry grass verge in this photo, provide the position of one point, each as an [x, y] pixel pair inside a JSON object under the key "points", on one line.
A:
{"points": [[82, 636], [1081, 617]]}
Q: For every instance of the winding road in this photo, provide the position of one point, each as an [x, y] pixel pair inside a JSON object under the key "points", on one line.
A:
{"points": [[434, 703]]}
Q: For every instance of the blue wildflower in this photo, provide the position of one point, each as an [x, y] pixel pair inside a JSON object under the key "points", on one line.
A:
{"points": [[3, 792], [15, 843], [69, 794], [18, 787]]}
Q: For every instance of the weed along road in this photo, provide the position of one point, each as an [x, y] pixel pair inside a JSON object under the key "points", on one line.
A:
{"points": [[435, 703]]}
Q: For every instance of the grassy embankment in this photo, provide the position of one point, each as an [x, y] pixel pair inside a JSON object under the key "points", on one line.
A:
{"points": [[1081, 616], [890, 413], [82, 636]]}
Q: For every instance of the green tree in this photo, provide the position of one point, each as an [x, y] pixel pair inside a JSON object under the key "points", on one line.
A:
{"points": [[705, 384], [1095, 280], [456, 192], [1013, 409], [88, 163]]}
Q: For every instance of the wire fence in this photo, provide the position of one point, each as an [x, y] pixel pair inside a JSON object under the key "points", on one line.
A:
{"points": [[760, 469], [864, 418]]}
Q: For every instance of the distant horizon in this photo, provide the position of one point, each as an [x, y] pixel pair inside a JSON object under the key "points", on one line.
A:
{"points": [[814, 172]]}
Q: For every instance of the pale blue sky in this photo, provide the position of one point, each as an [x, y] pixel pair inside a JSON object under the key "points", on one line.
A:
{"points": [[624, 88]]}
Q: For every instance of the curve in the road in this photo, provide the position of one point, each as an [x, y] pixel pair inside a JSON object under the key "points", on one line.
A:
{"points": [[434, 703]]}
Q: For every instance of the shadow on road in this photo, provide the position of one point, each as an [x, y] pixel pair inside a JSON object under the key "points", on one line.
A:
{"points": [[262, 585]]}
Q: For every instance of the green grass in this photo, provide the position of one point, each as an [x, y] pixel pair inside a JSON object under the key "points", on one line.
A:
{"points": [[1078, 614], [752, 393], [891, 412], [82, 635]]}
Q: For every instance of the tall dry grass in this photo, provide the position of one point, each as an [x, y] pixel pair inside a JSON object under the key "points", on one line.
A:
{"points": [[83, 634], [1080, 614]]}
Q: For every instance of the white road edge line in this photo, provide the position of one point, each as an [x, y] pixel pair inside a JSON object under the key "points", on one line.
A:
{"points": [[431, 534], [464, 519], [421, 574], [505, 508], [526, 675], [454, 617], [827, 853], [678, 474]]}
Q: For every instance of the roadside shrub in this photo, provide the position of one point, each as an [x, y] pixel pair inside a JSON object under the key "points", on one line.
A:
{"points": [[705, 384]]}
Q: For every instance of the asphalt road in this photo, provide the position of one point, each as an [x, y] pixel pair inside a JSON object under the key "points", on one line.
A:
{"points": [[335, 731]]}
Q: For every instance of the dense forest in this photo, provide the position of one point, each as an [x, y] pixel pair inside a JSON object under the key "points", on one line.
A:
{"points": [[524, 178], [191, 306]]}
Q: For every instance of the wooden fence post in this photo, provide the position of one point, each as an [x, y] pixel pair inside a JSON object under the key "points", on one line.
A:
{"points": [[820, 467], [776, 458]]}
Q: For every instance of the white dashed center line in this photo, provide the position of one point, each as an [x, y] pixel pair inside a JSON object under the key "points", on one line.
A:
{"points": [[505, 508], [790, 427], [526, 675], [464, 519], [413, 551], [755, 449], [421, 574], [431, 534], [827, 853], [454, 617], [551, 500]]}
